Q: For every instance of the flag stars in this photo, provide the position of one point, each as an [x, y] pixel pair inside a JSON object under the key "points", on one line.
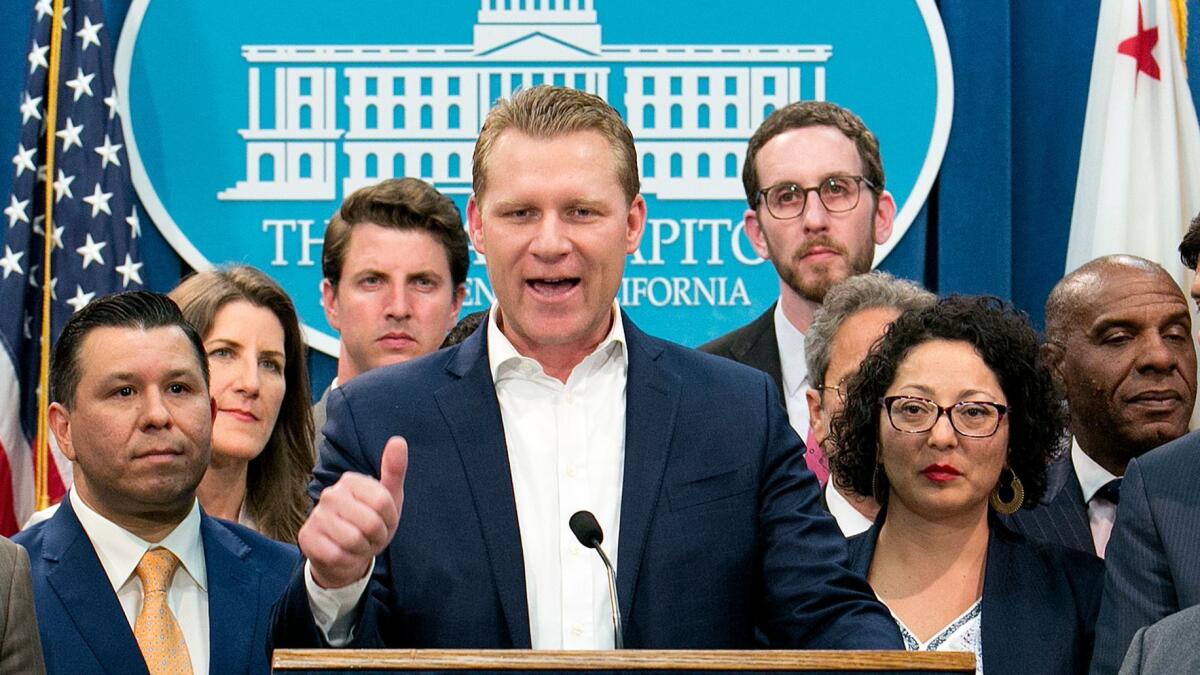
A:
{"points": [[37, 57], [16, 211], [30, 109], [11, 262], [129, 271], [107, 152], [111, 102], [34, 277], [62, 186], [70, 135], [91, 251], [44, 8], [98, 200], [24, 159], [135, 225], [89, 34], [56, 239], [82, 84], [81, 299]]}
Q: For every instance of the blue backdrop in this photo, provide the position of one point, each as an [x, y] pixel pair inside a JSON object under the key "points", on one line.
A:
{"points": [[998, 218]]}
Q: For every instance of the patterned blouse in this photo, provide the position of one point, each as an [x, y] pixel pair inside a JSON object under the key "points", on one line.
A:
{"points": [[962, 635]]}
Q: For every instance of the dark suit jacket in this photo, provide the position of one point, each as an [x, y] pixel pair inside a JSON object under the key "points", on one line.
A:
{"points": [[755, 345], [720, 528], [1062, 516], [1167, 647], [85, 631], [1154, 552], [1040, 602], [20, 646]]}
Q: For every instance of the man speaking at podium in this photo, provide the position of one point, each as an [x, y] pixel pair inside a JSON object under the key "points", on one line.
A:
{"points": [[446, 483]]}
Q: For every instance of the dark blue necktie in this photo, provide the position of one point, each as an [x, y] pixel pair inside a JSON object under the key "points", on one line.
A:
{"points": [[1110, 492]]}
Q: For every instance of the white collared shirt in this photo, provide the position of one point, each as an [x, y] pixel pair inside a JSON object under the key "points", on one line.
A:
{"points": [[849, 520], [566, 453], [794, 368], [1101, 512], [120, 551]]}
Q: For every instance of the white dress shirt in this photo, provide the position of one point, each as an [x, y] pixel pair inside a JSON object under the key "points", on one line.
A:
{"points": [[849, 520], [795, 371], [566, 451], [1101, 512], [120, 551]]}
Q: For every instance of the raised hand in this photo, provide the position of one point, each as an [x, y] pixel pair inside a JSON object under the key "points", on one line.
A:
{"points": [[355, 519]]}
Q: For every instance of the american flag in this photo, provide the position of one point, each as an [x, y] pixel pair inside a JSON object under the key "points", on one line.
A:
{"points": [[93, 233]]}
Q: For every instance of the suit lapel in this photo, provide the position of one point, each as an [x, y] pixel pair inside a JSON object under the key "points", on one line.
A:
{"points": [[759, 348], [473, 417], [1011, 602], [75, 574], [651, 399], [233, 598]]}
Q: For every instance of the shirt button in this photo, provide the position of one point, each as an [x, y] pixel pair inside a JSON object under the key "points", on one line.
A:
{"points": [[574, 551], [570, 397], [577, 630], [571, 472]]}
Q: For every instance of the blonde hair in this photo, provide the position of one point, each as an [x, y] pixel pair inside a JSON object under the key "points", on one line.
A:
{"points": [[547, 112]]}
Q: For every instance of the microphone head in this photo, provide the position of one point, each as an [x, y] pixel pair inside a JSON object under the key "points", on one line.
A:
{"points": [[583, 524]]}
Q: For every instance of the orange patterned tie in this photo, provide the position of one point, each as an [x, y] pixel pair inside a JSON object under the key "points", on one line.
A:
{"points": [[157, 632]]}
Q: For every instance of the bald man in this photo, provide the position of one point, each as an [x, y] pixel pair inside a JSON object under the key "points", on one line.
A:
{"points": [[1118, 343]]}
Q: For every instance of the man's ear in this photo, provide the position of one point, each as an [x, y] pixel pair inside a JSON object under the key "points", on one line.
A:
{"points": [[754, 232], [475, 225], [329, 303], [816, 416], [60, 425], [1053, 354]]}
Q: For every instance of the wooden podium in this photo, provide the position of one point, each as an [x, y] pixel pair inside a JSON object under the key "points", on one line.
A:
{"points": [[628, 659]]}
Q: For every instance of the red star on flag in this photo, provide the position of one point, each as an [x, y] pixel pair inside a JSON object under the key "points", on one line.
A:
{"points": [[1141, 48]]}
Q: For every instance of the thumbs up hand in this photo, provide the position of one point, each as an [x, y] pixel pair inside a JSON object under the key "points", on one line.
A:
{"points": [[355, 519]]}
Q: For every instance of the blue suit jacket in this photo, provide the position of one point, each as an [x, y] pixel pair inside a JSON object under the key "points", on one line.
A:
{"points": [[1153, 555], [85, 631], [1062, 516], [720, 527], [1040, 602]]}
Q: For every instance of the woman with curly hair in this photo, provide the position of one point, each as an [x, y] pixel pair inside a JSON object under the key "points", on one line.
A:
{"points": [[262, 452], [951, 419]]}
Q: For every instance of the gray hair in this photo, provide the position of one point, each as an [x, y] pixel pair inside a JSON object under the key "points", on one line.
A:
{"points": [[846, 298]]}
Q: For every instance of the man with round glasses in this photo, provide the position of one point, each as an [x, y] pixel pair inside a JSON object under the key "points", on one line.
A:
{"points": [[817, 208]]}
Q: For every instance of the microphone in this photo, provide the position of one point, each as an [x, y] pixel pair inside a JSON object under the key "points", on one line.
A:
{"points": [[583, 524]]}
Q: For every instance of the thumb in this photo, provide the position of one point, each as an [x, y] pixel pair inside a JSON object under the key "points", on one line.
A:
{"points": [[393, 466]]}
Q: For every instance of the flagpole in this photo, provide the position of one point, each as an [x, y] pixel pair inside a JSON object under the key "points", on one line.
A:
{"points": [[41, 439]]}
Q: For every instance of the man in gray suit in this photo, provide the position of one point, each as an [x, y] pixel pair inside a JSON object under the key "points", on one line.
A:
{"points": [[20, 644], [1118, 346], [1153, 565], [1166, 647], [395, 267]]}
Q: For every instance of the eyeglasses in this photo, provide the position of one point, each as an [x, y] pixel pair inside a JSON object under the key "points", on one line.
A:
{"points": [[915, 415], [837, 194], [835, 388]]}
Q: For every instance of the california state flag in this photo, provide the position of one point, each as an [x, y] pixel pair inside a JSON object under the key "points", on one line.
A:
{"points": [[1139, 168]]}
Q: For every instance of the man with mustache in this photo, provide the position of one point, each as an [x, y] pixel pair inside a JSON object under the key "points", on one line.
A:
{"points": [[130, 575], [1153, 566], [1119, 347], [395, 266], [817, 208]]}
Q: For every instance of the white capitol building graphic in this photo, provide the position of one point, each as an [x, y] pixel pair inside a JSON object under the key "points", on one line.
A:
{"points": [[416, 110]]}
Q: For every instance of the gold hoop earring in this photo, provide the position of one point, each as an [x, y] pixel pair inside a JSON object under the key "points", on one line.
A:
{"points": [[1016, 499]]}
